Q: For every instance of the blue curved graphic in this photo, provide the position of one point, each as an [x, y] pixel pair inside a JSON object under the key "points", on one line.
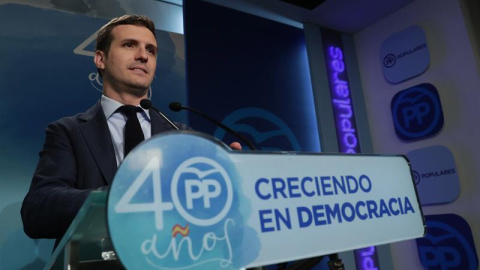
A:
{"points": [[262, 125]]}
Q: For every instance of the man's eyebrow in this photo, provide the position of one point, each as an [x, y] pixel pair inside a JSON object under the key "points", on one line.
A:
{"points": [[152, 46], [128, 40], [149, 45]]}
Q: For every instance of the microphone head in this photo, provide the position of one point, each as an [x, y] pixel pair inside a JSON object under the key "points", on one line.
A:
{"points": [[175, 106], [146, 104]]}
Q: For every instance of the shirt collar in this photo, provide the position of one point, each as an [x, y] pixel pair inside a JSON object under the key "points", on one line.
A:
{"points": [[109, 107]]}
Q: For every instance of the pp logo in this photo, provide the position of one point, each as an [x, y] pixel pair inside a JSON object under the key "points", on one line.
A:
{"points": [[202, 191], [389, 60], [417, 112], [448, 244], [416, 177]]}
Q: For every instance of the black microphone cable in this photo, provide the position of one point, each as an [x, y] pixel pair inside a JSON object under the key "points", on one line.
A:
{"points": [[177, 106]]}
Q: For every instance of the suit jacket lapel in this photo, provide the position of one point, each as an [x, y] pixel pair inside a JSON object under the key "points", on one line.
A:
{"points": [[97, 136]]}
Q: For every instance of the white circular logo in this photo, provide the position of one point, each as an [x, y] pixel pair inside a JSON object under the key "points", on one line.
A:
{"points": [[202, 180]]}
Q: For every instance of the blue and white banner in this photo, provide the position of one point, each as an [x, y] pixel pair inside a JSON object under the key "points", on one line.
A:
{"points": [[183, 200]]}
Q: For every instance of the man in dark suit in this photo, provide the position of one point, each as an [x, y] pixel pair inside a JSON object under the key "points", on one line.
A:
{"points": [[81, 153]]}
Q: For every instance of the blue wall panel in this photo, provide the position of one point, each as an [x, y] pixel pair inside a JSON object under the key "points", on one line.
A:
{"points": [[252, 74]]}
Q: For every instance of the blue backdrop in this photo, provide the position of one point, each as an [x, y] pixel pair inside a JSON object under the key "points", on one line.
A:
{"points": [[42, 79], [251, 73]]}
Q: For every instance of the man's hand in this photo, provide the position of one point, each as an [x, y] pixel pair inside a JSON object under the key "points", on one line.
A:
{"points": [[236, 146]]}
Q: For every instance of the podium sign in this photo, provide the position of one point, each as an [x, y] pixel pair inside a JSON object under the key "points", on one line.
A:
{"points": [[183, 200]]}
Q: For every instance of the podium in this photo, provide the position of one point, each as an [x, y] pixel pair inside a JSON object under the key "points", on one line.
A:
{"points": [[86, 239], [184, 200]]}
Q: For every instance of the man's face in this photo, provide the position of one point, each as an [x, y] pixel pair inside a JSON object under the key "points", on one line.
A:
{"points": [[130, 64]]}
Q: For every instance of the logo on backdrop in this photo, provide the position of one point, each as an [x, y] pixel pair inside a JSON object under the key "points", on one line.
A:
{"points": [[448, 244], [416, 177], [389, 60], [266, 129], [405, 55], [435, 174], [87, 48], [417, 112], [173, 207]]}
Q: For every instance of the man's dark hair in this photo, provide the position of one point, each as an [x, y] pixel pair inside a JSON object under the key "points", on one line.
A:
{"points": [[104, 37]]}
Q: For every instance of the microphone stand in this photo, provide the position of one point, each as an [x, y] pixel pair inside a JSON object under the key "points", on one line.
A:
{"points": [[335, 262], [229, 130], [147, 104]]}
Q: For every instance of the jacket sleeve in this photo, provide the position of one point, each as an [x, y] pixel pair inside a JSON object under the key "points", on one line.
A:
{"points": [[53, 199]]}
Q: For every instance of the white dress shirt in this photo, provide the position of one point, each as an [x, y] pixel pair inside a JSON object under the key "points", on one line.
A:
{"points": [[116, 123]]}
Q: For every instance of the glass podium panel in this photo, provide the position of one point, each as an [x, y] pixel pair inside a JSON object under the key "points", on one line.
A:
{"points": [[86, 244]]}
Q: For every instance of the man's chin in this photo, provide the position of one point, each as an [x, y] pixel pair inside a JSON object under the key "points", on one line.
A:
{"points": [[139, 90]]}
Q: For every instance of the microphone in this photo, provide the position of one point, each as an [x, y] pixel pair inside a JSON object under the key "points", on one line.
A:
{"points": [[177, 106], [147, 104]]}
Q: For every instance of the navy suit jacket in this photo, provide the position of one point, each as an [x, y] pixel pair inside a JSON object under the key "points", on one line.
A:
{"points": [[77, 157]]}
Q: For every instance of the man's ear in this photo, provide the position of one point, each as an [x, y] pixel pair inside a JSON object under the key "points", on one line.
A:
{"points": [[99, 59]]}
